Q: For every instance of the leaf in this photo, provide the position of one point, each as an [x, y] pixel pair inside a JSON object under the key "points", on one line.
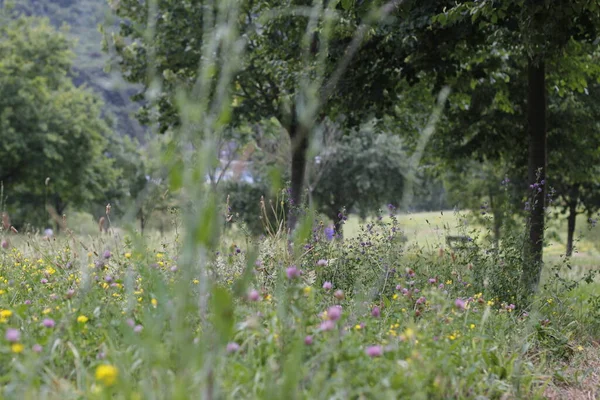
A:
{"points": [[222, 311]]}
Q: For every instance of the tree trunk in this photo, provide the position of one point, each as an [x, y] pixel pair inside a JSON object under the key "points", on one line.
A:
{"points": [[299, 149], [574, 195], [536, 125]]}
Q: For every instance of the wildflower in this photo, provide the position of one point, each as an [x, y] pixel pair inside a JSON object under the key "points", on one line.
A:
{"points": [[107, 374], [579, 348], [17, 348], [376, 312], [48, 323], [339, 294], [292, 272], [327, 285], [460, 304], [82, 319], [421, 300], [374, 351], [138, 328], [5, 244], [232, 347], [308, 340], [253, 295], [398, 287], [432, 281], [329, 233], [12, 335], [130, 322], [327, 325], [472, 326], [195, 281], [307, 290], [334, 313], [37, 348], [106, 254], [127, 255], [322, 263], [174, 268], [5, 314], [449, 282], [44, 281], [358, 327], [154, 302]]}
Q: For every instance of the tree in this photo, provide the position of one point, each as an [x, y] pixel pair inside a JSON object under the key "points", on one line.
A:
{"points": [[360, 172], [52, 134], [574, 137], [289, 72]]}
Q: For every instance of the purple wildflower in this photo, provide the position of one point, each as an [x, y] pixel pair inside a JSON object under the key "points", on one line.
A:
{"points": [[13, 335], [327, 325], [334, 313], [254, 295], [293, 272], [48, 323], [322, 263], [37, 348], [308, 340], [376, 312], [374, 351], [460, 304], [232, 347], [327, 285]]}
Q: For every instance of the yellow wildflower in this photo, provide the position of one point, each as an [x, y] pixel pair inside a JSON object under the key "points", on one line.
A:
{"points": [[195, 281], [307, 290], [82, 319], [154, 302], [16, 348], [357, 327], [107, 374], [127, 255], [5, 313], [472, 326]]}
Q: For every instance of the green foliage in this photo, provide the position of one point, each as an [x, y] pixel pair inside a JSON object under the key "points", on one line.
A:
{"points": [[55, 155], [360, 172]]}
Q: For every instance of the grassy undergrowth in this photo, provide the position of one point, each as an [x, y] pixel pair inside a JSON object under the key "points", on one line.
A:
{"points": [[367, 317]]}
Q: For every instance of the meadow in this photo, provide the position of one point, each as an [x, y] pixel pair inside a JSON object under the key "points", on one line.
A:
{"points": [[388, 312]]}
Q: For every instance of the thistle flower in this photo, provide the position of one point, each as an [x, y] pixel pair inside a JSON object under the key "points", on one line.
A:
{"points": [[308, 340], [339, 294], [374, 351], [376, 312], [254, 295], [48, 323], [12, 335], [293, 272], [232, 347], [106, 254], [460, 304], [322, 263], [327, 285], [327, 325], [37, 348], [334, 313]]}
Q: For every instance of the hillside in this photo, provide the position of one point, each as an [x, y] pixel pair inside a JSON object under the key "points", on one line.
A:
{"points": [[83, 18]]}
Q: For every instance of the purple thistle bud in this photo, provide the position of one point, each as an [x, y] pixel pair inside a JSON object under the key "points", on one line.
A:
{"points": [[432, 280], [334, 313], [322, 263], [254, 295], [27, 302], [138, 328], [44, 281], [293, 272], [130, 322], [308, 340], [339, 294], [376, 312], [106, 254], [37, 348], [108, 279], [398, 287], [48, 323], [327, 285], [70, 293], [327, 325], [232, 347], [460, 304], [5, 244], [174, 268], [421, 300], [374, 351], [13, 335]]}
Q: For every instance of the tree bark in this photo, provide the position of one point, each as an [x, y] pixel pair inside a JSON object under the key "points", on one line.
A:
{"points": [[536, 125], [571, 220], [299, 149]]}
